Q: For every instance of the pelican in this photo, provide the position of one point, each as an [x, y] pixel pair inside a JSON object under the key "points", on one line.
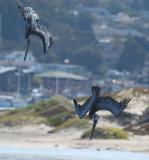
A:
{"points": [[33, 27], [96, 103]]}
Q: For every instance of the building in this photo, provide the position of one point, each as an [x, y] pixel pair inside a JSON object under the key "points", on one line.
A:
{"points": [[63, 79], [49, 79], [13, 77], [8, 79], [17, 58]]}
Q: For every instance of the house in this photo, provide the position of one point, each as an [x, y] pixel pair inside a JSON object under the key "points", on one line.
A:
{"points": [[16, 58], [63, 79], [8, 79]]}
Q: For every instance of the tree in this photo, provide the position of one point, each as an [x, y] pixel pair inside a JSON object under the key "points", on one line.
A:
{"points": [[133, 55]]}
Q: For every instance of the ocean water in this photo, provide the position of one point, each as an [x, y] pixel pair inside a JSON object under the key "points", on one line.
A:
{"points": [[9, 153]]}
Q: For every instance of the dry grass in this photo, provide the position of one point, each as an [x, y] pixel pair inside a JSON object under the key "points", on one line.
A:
{"points": [[106, 133], [53, 112]]}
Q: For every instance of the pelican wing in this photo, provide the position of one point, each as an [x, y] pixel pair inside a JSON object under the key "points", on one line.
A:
{"points": [[43, 34], [110, 104], [81, 110]]}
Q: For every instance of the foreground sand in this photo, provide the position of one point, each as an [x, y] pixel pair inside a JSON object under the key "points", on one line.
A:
{"points": [[32, 136]]}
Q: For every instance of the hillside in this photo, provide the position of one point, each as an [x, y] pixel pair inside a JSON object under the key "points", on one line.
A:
{"points": [[68, 29], [95, 34]]}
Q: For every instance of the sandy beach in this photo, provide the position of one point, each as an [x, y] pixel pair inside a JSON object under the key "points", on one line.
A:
{"points": [[38, 137], [31, 134]]}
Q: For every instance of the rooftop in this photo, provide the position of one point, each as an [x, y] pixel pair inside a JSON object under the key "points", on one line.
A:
{"points": [[6, 69], [61, 75]]}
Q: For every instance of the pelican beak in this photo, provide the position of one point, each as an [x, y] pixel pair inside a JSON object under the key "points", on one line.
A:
{"points": [[75, 102], [20, 5], [95, 120]]}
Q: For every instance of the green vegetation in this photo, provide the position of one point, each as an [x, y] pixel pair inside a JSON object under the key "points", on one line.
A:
{"points": [[74, 29], [69, 30], [107, 133], [20, 117], [53, 112], [57, 112], [59, 118], [135, 50]]}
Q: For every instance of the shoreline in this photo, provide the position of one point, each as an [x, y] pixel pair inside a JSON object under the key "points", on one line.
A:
{"points": [[69, 154]]}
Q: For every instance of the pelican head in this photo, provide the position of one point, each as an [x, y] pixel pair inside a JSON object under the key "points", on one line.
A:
{"points": [[96, 90]]}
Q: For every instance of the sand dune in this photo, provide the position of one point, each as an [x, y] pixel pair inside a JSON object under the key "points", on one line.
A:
{"points": [[38, 137]]}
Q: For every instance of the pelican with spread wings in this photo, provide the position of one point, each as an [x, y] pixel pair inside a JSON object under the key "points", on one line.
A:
{"points": [[33, 27], [96, 103]]}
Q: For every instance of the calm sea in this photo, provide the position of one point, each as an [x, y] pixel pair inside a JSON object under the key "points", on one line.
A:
{"points": [[9, 153]]}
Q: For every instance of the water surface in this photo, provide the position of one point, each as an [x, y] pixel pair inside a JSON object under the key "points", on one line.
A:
{"points": [[9, 153]]}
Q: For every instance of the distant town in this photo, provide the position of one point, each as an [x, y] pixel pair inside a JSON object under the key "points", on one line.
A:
{"points": [[27, 82], [33, 80]]}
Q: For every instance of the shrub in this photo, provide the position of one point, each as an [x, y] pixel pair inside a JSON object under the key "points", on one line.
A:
{"points": [[106, 133]]}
